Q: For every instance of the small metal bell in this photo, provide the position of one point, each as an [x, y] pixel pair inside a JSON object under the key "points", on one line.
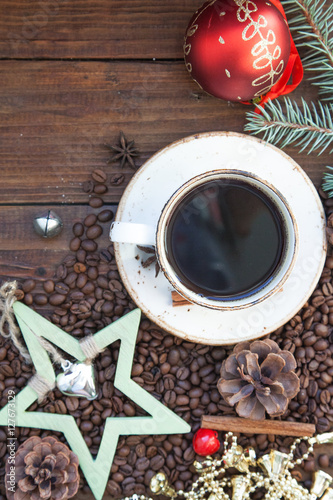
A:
{"points": [[214, 496], [265, 464], [240, 485], [250, 455], [48, 224], [205, 466], [321, 482], [279, 462], [235, 458], [327, 437], [160, 486], [274, 464], [328, 495], [247, 458]]}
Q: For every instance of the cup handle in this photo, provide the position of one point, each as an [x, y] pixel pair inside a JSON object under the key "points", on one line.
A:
{"points": [[128, 232]]}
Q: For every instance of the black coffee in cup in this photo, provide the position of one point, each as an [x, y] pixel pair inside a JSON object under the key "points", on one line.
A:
{"points": [[225, 239]]}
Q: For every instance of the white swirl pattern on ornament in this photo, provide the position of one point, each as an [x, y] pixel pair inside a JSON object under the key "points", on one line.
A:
{"points": [[261, 49], [190, 32]]}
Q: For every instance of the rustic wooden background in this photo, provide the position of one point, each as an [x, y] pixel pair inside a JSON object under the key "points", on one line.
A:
{"points": [[72, 75]]}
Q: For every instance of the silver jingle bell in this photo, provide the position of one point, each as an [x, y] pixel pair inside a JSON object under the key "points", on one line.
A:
{"points": [[48, 224]]}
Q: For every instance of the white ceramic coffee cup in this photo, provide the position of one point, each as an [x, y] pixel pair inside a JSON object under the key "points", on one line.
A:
{"points": [[143, 234]]}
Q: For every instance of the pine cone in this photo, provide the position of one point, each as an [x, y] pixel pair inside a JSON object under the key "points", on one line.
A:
{"points": [[258, 377], [44, 469]]}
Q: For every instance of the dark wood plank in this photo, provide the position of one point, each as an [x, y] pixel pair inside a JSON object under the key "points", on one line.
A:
{"points": [[58, 115], [96, 29], [24, 254]]}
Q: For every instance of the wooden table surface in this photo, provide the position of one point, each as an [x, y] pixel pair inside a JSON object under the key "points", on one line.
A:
{"points": [[72, 75]]}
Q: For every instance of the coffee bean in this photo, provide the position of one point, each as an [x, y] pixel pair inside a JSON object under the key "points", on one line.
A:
{"points": [[325, 397], [95, 202], [48, 286], [117, 404], [89, 245], [309, 339], [323, 425], [3, 450], [183, 373], [140, 450], [117, 179], [94, 232], [182, 400], [127, 470], [81, 280], [99, 175], [151, 451], [72, 403], [113, 488], [142, 464], [170, 398], [115, 285], [320, 345], [323, 461], [173, 357], [90, 220], [157, 462], [88, 186], [189, 454], [105, 216], [88, 288], [78, 229], [129, 410], [318, 301], [86, 426], [61, 288], [40, 299], [169, 383], [56, 299], [79, 267], [28, 285], [60, 407], [206, 370], [75, 244], [100, 189]]}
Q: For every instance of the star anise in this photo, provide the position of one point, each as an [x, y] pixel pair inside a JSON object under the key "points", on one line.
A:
{"points": [[151, 259], [125, 152]]}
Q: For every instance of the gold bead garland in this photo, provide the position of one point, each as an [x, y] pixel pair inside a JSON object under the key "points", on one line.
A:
{"points": [[274, 475]]}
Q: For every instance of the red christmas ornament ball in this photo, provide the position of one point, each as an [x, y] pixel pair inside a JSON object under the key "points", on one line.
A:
{"points": [[205, 442], [237, 49]]}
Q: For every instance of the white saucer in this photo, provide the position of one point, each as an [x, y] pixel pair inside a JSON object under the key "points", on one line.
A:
{"points": [[161, 176]]}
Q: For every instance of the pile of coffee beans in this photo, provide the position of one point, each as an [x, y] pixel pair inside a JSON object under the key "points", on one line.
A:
{"points": [[87, 294]]}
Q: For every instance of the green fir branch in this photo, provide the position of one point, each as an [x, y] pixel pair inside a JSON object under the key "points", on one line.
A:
{"points": [[310, 129], [311, 24], [328, 182]]}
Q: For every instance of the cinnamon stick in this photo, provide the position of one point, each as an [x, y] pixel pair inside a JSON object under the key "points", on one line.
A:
{"points": [[178, 300], [248, 426]]}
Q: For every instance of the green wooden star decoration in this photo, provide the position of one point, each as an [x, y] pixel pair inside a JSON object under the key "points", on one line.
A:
{"points": [[161, 420]]}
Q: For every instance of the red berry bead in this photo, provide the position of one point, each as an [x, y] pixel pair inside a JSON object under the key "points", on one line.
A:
{"points": [[205, 442]]}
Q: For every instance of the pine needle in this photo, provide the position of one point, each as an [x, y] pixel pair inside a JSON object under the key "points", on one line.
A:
{"points": [[309, 128], [328, 182], [311, 24]]}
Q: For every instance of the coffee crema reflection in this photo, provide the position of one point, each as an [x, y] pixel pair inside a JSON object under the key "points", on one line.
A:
{"points": [[225, 239]]}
